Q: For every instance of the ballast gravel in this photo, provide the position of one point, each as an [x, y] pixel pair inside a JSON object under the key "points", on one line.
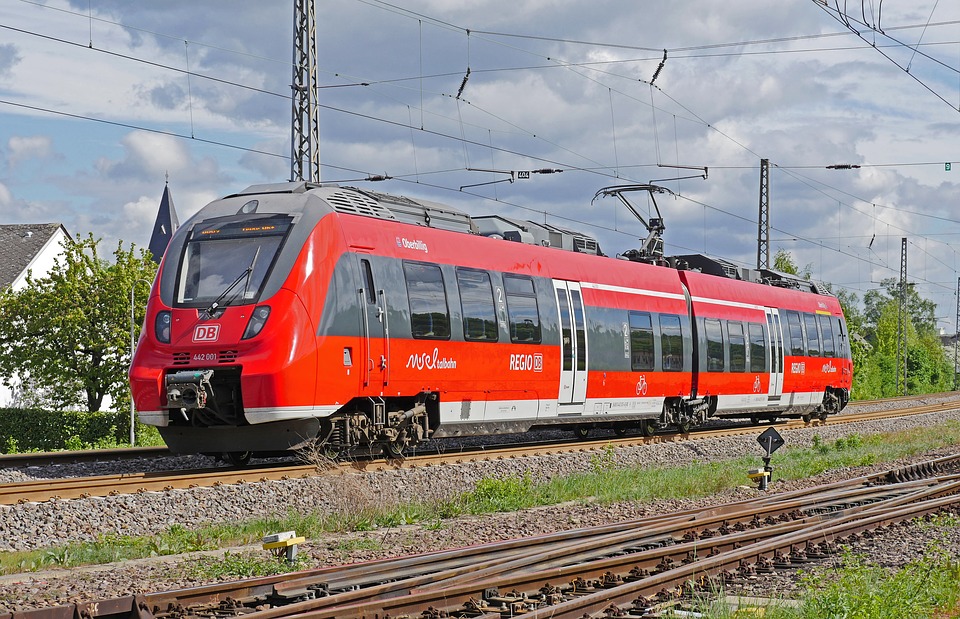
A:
{"points": [[51, 524]]}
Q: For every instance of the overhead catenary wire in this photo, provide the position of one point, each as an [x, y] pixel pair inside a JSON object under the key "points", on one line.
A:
{"points": [[417, 171]]}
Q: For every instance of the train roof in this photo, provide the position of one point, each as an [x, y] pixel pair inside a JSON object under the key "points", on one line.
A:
{"points": [[725, 268], [402, 209]]}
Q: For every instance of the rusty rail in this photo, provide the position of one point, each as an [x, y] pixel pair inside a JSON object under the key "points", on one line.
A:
{"points": [[105, 485], [567, 575]]}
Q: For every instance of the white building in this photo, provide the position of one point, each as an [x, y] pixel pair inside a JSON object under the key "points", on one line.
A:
{"points": [[27, 249]]}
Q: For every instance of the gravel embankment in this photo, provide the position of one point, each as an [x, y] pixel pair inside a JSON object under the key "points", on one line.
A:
{"points": [[41, 525]]}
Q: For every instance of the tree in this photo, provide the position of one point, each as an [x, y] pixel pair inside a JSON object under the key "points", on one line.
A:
{"points": [[783, 262], [69, 332], [927, 367], [921, 312]]}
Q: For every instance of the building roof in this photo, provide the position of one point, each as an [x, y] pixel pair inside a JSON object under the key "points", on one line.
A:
{"points": [[19, 246]]}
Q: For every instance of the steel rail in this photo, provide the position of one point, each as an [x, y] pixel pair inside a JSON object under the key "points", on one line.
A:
{"points": [[651, 571], [390, 579], [699, 552], [129, 483], [46, 458]]}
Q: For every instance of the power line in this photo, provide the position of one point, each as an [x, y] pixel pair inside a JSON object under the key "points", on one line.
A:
{"points": [[558, 64]]}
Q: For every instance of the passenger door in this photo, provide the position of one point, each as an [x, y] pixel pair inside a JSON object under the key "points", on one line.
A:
{"points": [[573, 344], [775, 352], [374, 355]]}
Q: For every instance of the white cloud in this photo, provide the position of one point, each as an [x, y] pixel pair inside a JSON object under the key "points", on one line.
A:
{"points": [[802, 102], [24, 148]]}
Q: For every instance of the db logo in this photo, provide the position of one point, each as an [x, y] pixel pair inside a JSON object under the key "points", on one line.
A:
{"points": [[206, 333]]}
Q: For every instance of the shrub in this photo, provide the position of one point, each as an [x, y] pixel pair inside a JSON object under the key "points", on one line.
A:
{"points": [[27, 429]]}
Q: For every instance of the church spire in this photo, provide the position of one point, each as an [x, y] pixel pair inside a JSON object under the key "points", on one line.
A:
{"points": [[165, 225]]}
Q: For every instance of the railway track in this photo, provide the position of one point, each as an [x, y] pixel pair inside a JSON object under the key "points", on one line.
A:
{"points": [[48, 458], [52, 458], [630, 569], [128, 483]]}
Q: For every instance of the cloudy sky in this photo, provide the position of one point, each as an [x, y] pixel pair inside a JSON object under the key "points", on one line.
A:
{"points": [[101, 101]]}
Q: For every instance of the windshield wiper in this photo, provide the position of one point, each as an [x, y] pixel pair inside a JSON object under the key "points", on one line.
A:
{"points": [[245, 275]]}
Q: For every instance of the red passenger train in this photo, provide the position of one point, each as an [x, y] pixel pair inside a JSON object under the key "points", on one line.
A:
{"points": [[294, 313]]}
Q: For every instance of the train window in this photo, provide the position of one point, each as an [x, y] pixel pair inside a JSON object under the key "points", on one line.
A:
{"points": [[368, 281], [738, 346], [566, 346], [476, 301], [758, 348], [228, 262], [813, 335], [579, 324], [522, 311], [429, 316], [796, 333], [843, 345], [714, 334], [641, 341], [671, 343], [829, 348]]}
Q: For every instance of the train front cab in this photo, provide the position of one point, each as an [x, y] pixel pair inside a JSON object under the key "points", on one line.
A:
{"points": [[228, 361]]}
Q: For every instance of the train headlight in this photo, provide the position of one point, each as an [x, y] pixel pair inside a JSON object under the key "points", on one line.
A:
{"points": [[161, 327], [259, 318]]}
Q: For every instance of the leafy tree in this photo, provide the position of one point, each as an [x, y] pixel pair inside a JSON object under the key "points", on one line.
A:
{"points": [[783, 262], [927, 367], [69, 332], [921, 312]]}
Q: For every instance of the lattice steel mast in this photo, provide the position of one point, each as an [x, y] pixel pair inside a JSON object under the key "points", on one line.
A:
{"points": [[902, 323], [763, 221], [305, 128]]}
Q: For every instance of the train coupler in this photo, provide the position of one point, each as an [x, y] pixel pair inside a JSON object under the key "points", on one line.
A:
{"points": [[189, 389]]}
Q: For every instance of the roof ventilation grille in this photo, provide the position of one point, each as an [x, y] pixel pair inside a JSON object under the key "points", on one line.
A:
{"points": [[358, 204]]}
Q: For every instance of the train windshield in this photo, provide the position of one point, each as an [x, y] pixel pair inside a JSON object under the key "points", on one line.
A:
{"points": [[227, 262]]}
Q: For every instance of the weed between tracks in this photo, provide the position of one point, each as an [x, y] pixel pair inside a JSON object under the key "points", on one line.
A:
{"points": [[354, 509], [926, 588]]}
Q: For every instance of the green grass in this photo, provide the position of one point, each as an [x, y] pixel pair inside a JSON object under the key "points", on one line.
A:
{"points": [[242, 565], [603, 483], [926, 588]]}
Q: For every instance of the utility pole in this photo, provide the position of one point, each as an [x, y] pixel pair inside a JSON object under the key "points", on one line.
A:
{"points": [[902, 322], [305, 128], [763, 221]]}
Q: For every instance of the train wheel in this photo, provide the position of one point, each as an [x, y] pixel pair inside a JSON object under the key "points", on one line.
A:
{"points": [[237, 458], [393, 450], [648, 428], [620, 430], [684, 427], [805, 417], [582, 431]]}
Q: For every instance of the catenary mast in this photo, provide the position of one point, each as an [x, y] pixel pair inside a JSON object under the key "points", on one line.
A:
{"points": [[305, 127]]}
